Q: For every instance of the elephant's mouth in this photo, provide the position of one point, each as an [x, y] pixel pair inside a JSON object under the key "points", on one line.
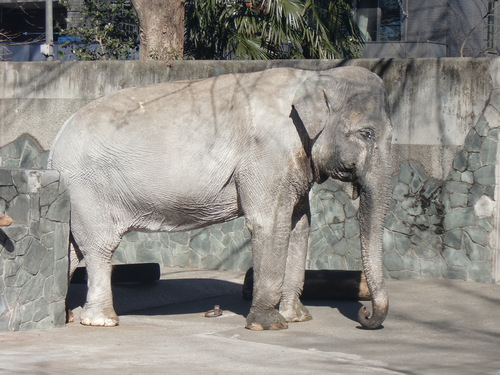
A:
{"points": [[345, 175], [350, 176]]}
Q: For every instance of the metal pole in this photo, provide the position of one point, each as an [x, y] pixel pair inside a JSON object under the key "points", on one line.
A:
{"points": [[491, 24], [49, 30]]}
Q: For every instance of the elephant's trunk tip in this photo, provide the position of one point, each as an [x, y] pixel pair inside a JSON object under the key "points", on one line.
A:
{"points": [[372, 320]]}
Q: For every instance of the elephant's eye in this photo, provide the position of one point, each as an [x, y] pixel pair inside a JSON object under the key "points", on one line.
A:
{"points": [[367, 134]]}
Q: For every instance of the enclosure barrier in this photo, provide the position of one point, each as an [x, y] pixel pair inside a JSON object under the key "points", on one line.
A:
{"points": [[443, 216], [34, 249]]}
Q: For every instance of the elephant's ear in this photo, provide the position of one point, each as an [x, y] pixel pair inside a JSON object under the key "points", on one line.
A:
{"points": [[312, 105]]}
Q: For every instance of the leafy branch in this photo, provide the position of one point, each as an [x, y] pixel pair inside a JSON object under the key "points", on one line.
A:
{"points": [[270, 29], [108, 31]]}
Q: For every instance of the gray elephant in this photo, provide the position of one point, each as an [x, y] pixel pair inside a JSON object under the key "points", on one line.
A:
{"points": [[183, 155]]}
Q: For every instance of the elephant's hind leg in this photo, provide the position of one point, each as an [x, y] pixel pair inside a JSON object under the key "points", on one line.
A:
{"points": [[97, 237], [75, 257], [99, 310]]}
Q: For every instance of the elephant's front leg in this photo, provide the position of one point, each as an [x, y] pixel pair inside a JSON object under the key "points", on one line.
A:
{"points": [[291, 308], [269, 243]]}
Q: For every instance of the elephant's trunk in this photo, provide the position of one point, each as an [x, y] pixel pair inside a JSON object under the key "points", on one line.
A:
{"points": [[374, 201]]}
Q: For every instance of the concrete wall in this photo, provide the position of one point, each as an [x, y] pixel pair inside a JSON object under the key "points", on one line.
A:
{"points": [[444, 156]]}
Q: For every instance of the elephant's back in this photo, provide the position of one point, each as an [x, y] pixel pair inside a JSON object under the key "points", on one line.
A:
{"points": [[177, 121]]}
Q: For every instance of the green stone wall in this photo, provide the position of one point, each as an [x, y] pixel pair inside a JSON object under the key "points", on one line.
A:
{"points": [[444, 229], [33, 249]]}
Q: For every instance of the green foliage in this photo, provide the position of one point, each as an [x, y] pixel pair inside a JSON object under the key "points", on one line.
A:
{"points": [[270, 29], [335, 31], [223, 29], [108, 31]]}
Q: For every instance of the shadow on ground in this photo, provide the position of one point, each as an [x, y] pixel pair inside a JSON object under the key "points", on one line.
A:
{"points": [[188, 296]]}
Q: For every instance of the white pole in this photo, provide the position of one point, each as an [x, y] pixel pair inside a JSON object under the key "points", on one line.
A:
{"points": [[49, 30]]}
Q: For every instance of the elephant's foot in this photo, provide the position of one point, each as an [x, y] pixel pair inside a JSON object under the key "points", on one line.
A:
{"points": [[294, 312], [102, 317], [266, 320], [70, 316]]}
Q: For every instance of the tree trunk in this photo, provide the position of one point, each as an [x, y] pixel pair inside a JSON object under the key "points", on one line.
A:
{"points": [[161, 28]]}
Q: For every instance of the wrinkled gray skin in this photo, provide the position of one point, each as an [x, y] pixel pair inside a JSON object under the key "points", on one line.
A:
{"points": [[184, 155]]}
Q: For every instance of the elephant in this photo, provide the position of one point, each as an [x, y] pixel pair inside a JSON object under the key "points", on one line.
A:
{"points": [[182, 155]]}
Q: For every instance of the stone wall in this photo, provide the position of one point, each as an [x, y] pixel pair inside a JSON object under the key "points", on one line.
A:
{"points": [[443, 215], [447, 228], [33, 249]]}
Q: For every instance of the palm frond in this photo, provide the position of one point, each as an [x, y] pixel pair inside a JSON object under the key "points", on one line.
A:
{"points": [[216, 29]]}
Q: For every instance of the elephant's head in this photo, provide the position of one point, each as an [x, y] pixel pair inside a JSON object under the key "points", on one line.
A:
{"points": [[345, 114]]}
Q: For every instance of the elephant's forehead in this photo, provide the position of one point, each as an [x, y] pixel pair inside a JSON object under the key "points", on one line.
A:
{"points": [[360, 111], [355, 116]]}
